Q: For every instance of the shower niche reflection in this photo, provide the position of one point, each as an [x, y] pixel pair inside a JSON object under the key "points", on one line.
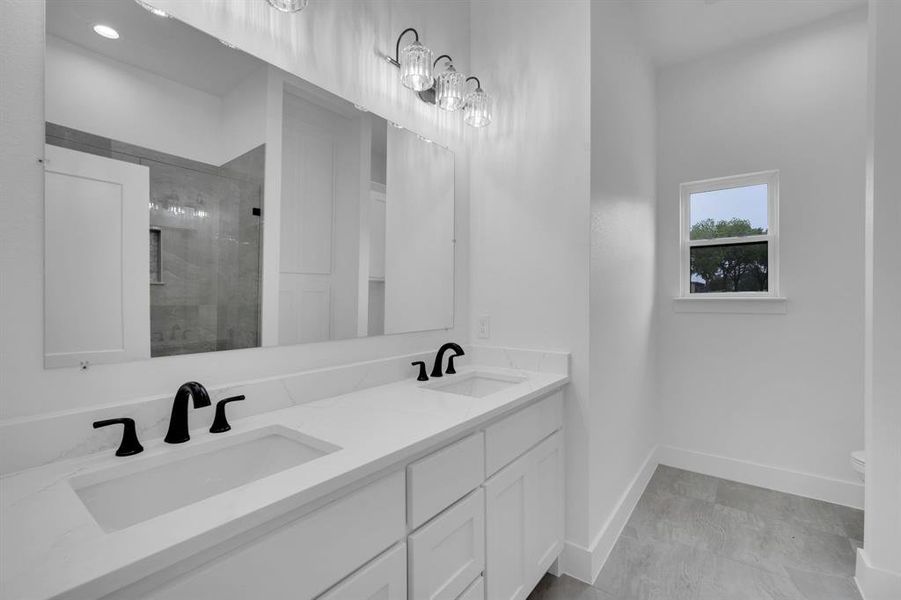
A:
{"points": [[198, 199]]}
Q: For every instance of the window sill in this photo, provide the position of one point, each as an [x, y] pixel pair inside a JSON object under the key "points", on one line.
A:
{"points": [[769, 305]]}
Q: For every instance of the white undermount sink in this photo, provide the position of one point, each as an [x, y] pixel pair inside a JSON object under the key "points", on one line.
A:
{"points": [[143, 488], [475, 384]]}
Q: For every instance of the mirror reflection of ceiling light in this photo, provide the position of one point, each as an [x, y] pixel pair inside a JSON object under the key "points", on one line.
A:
{"points": [[152, 9], [106, 31], [289, 6]]}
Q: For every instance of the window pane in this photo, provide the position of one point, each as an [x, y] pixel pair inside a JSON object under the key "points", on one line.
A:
{"points": [[729, 268], [732, 212]]}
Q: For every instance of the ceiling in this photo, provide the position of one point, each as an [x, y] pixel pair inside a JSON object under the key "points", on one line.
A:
{"points": [[678, 30], [163, 46]]}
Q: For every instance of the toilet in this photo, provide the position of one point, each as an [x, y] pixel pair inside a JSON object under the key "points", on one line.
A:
{"points": [[859, 463]]}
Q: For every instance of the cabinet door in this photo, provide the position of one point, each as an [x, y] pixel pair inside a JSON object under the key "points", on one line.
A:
{"points": [[385, 578], [524, 521], [448, 552]]}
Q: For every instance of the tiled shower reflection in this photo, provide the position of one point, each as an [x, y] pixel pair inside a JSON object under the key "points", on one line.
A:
{"points": [[205, 244]]}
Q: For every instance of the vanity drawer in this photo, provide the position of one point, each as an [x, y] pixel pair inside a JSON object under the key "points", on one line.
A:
{"points": [[441, 478], [476, 591], [510, 438], [449, 552], [385, 578], [304, 557]]}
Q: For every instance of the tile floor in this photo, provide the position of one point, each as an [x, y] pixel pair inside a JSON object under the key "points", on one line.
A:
{"points": [[695, 537]]}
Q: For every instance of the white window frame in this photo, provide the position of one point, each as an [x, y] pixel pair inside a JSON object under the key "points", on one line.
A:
{"points": [[771, 179]]}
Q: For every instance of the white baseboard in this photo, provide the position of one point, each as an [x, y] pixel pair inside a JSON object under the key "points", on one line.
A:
{"points": [[837, 491], [874, 583], [585, 563]]}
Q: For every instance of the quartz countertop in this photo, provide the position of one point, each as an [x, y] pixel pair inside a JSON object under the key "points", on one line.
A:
{"points": [[52, 546]]}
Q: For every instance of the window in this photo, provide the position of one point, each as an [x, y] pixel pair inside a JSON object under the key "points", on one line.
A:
{"points": [[730, 237]]}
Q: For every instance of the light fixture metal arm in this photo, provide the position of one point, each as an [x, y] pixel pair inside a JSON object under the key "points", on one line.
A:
{"points": [[396, 60], [478, 83], [447, 56]]}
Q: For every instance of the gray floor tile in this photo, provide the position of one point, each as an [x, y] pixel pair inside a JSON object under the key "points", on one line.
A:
{"points": [[693, 537], [816, 586], [770, 504], [705, 525], [651, 570], [724, 578], [791, 546], [683, 483], [566, 588]]}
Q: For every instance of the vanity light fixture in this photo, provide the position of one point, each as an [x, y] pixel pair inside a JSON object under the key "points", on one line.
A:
{"points": [[449, 86], [414, 62], [106, 31], [152, 9], [447, 89], [288, 6], [477, 106]]}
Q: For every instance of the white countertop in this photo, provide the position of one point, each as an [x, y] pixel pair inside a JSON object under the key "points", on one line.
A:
{"points": [[51, 545]]}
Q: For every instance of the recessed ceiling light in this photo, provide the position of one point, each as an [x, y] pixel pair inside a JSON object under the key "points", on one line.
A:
{"points": [[152, 9], [106, 31], [289, 5]]}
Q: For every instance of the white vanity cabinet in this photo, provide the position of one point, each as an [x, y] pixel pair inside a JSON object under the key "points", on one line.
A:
{"points": [[480, 518]]}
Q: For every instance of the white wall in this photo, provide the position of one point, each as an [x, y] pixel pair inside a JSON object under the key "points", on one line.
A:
{"points": [[783, 391], [879, 563], [530, 199], [243, 116], [623, 197], [344, 62], [93, 93]]}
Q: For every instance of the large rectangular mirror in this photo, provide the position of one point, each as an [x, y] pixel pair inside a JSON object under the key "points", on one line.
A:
{"points": [[198, 199]]}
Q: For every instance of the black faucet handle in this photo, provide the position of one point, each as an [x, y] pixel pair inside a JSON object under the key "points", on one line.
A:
{"points": [[220, 423], [450, 364], [130, 444], [422, 375]]}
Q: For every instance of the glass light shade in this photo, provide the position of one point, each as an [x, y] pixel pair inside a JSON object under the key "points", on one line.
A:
{"points": [[449, 89], [289, 5], [416, 67], [477, 111]]}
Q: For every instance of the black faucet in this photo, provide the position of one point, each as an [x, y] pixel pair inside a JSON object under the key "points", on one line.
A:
{"points": [[178, 422], [439, 360], [130, 444]]}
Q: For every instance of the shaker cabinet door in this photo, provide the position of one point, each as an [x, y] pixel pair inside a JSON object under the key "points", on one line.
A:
{"points": [[524, 521]]}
